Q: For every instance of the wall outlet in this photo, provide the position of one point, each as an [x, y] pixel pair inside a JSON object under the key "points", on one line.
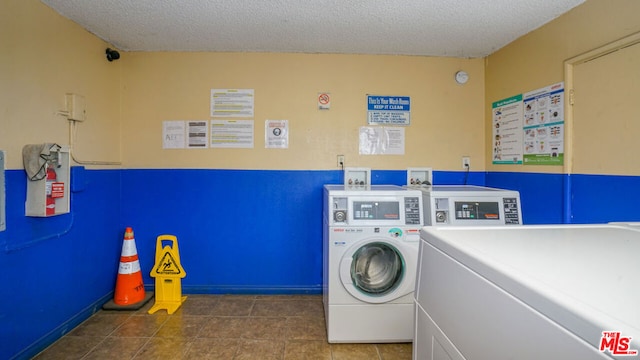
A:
{"points": [[340, 161], [466, 163]]}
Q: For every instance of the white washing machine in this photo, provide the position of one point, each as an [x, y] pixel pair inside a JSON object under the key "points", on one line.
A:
{"points": [[470, 205], [528, 292], [370, 253]]}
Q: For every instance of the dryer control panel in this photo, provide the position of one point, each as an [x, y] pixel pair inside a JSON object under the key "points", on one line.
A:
{"points": [[471, 206], [376, 206]]}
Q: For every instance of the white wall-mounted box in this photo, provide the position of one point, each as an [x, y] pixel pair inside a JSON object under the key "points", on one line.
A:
{"points": [[422, 176], [357, 177]]}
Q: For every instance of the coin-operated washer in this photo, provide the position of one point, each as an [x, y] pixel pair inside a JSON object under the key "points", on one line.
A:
{"points": [[370, 250]]}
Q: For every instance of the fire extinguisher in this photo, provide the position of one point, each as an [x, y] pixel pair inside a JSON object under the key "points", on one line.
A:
{"points": [[51, 201]]}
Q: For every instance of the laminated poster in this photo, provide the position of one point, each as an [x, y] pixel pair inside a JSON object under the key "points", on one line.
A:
{"points": [[507, 131], [388, 110], [529, 129], [544, 126]]}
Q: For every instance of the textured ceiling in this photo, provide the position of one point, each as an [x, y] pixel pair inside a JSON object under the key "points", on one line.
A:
{"points": [[452, 28]]}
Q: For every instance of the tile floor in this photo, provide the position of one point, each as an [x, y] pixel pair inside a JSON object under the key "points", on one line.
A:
{"points": [[217, 327]]}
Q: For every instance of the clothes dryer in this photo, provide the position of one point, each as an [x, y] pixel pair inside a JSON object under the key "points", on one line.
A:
{"points": [[528, 292], [370, 253]]}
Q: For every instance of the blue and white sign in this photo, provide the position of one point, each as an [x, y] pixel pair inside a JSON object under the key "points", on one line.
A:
{"points": [[388, 110]]}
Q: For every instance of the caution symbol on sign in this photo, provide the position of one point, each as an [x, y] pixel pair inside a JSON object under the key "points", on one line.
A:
{"points": [[168, 265], [167, 271]]}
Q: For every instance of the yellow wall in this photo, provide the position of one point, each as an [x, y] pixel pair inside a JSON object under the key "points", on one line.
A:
{"points": [[43, 57], [46, 56], [537, 59], [446, 118]]}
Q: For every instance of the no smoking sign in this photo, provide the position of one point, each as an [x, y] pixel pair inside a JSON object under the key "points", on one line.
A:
{"points": [[324, 101]]}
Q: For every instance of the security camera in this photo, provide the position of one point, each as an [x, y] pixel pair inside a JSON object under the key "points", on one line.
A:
{"points": [[112, 54]]}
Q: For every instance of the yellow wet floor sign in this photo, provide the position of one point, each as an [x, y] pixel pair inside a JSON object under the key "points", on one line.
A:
{"points": [[168, 274]]}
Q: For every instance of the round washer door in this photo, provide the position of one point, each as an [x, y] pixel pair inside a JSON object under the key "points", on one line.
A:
{"points": [[375, 272]]}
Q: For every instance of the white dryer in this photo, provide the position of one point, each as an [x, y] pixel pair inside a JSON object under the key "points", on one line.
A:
{"points": [[370, 253], [528, 292], [632, 225]]}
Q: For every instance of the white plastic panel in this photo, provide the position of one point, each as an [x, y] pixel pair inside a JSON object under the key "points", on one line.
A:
{"points": [[470, 312]]}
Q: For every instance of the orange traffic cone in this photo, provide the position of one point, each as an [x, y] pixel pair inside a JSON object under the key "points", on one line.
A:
{"points": [[129, 285], [129, 294]]}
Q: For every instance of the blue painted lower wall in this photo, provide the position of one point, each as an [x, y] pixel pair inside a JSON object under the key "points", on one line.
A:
{"points": [[541, 195], [239, 231], [604, 198], [58, 269]]}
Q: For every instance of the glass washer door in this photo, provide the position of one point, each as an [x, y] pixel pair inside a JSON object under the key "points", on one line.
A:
{"points": [[377, 269]]}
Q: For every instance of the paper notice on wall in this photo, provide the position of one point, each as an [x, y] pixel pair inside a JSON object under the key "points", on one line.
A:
{"points": [[381, 140], [197, 134], [276, 134], [507, 131], [173, 134], [232, 103], [232, 133]]}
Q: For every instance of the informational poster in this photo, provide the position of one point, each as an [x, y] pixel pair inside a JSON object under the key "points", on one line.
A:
{"points": [[197, 134], [381, 140], [232, 133], [388, 110], [544, 126], [173, 134], [232, 103], [276, 134], [507, 131]]}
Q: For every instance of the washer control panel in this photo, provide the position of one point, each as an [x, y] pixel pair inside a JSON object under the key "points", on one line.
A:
{"points": [[375, 207], [471, 206]]}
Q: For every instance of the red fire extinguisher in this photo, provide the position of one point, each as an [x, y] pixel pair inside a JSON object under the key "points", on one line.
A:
{"points": [[51, 201]]}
